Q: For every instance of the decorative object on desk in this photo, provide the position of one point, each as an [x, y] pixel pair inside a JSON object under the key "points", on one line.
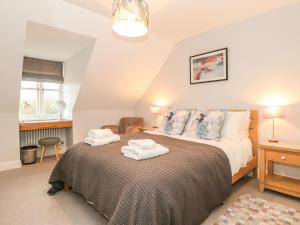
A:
{"points": [[155, 110], [130, 18], [209, 67], [60, 106], [273, 113]]}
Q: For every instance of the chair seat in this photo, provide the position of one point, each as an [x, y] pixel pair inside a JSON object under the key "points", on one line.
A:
{"points": [[49, 141]]}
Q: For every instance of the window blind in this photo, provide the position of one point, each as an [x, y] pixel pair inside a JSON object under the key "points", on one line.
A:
{"points": [[41, 70]]}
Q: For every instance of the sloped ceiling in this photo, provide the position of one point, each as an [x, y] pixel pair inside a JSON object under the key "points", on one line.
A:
{"points": [[118, 73], [180, 19], [45, 42]]}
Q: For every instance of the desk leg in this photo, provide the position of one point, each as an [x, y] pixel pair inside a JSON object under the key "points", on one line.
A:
{"points": [[262, 169]]}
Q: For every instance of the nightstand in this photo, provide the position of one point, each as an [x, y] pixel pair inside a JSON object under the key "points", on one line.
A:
{"points": [[147, 129], [282, 153]]}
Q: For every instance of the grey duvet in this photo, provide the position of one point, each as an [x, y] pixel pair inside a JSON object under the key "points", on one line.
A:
{"points": [[179, 188]]}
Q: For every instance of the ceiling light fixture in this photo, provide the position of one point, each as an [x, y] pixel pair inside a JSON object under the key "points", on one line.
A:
{"points": [[130, 18]]}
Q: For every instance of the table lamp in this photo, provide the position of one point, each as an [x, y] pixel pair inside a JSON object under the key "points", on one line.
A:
{"points": [[155, 110], [273, 113]]}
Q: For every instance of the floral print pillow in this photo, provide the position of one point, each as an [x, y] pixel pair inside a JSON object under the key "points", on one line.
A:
{"points": [[210, 126], [196, 117], [175, 121], [205, 124]]}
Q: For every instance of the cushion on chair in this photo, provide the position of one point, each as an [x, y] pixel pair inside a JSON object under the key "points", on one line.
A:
{"points": [[49, 141]]}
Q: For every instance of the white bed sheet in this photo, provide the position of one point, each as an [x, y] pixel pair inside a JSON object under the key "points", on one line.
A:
{"points": [[239, 152]]}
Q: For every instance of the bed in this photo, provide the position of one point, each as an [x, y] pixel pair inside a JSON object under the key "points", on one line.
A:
{"points": [[179, 188]]}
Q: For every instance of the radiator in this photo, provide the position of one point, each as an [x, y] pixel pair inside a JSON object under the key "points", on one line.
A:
{"points": [[32, 137]]}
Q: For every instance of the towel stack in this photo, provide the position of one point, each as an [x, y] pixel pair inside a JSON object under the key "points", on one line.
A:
{"points": [[97, 137], [143, 149]]}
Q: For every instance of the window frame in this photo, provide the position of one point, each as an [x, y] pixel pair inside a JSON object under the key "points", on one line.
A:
{"points": [[41, 114]]}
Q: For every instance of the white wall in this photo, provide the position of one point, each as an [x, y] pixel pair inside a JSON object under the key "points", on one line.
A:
{"points": [[9, 141], [11, 45], [263, 63], [86, 120], [74, 71]]}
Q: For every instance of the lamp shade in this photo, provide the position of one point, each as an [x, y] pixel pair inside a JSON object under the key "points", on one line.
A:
{"points": [[273, 112], [155, 109], [130, 17]]}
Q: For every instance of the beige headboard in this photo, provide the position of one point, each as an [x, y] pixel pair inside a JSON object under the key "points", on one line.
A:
{"points": [[253, 130]]}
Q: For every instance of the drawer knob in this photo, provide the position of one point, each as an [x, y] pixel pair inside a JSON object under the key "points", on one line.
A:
{"points": [[283, 157]]}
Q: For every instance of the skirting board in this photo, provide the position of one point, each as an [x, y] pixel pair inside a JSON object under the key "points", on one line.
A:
{"points": [[16, 164]]}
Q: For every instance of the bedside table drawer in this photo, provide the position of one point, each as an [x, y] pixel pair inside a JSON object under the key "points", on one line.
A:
{"points": [[282, 157]]}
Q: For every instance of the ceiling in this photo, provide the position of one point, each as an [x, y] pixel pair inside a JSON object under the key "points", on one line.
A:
{"points": [[50, 43], [177, 19]]}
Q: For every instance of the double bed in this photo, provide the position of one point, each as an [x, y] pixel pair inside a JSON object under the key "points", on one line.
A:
{"points": [[179, 188]]}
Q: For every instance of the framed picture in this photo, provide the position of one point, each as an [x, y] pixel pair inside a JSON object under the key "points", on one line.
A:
{"points": [[209, 66]]}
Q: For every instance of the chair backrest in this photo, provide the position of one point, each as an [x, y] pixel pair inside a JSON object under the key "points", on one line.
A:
{"points": [[130, 121]]}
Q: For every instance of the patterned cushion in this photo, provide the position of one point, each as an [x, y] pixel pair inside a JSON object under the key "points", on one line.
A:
{"points": [[205, 124], [174, 121], [195, 118]]}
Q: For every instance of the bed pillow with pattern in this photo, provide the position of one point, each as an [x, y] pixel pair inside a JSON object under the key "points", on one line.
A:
{"points": [[205, 124], [174, 121]]}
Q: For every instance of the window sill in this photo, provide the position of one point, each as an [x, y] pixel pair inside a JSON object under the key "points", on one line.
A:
{"points": [[40, 125]]}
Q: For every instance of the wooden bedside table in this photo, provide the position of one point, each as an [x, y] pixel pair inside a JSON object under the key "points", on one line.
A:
{"points": [[147, 129], [282, 153]]}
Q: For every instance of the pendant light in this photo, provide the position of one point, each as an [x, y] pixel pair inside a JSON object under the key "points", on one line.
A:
{"points": [[130, 18]]}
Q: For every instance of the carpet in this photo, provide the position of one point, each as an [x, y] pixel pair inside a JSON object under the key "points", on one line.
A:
{"points": [[250, 210]]}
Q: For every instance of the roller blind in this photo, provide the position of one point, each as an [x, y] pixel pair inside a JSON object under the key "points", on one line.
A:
{"points": [[42, 70]]}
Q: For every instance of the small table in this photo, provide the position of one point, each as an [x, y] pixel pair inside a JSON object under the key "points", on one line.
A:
{"points": [[282, 153], [147, 129]]}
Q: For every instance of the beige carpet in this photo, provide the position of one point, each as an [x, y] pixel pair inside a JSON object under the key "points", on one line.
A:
{"points": [[23, 199]]}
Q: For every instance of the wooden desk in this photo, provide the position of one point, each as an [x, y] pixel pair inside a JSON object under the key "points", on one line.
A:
{"points": [[40, 125]]}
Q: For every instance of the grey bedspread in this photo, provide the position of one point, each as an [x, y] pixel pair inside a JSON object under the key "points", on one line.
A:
{"points": [[179, 188]]}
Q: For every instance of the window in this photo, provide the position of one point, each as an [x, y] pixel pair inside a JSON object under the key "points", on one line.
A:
{"points": [[38, 100]]}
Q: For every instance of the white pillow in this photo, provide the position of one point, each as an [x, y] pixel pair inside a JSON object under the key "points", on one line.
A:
{"points": [[236, 125]]}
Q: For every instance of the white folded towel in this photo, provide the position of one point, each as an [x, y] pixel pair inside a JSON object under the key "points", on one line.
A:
{"points": [[137, 153], [102, 141], [143, 143], [100, 133]]}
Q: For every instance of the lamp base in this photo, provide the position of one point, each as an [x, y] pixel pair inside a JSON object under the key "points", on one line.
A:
{"points": [[273, 141]]}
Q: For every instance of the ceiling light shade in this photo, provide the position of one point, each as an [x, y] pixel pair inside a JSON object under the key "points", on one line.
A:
{"points": [[130, 17]]}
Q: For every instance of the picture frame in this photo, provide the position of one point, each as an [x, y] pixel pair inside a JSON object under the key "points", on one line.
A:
{"points": [[209, 66]]}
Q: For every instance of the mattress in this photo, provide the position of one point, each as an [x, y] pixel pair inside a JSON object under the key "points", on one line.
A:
{"points": [[239, 152]]}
